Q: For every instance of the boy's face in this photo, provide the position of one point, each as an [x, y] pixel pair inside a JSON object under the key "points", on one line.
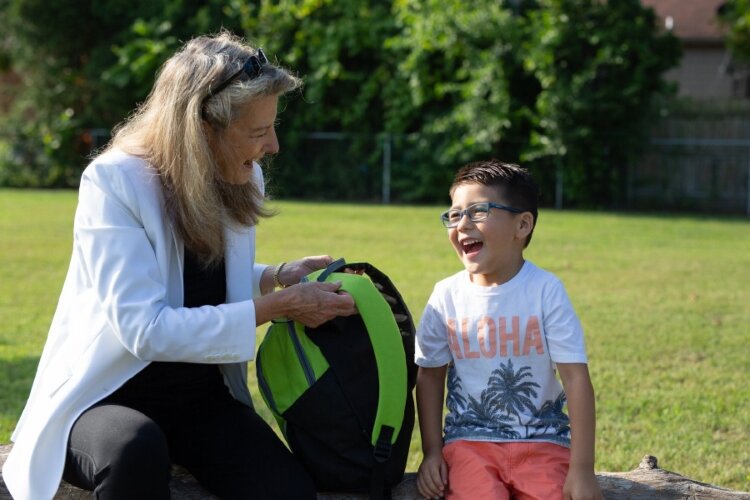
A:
{"points": [[490, 250]]}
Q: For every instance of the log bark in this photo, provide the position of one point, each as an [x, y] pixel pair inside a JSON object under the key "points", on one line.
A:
{"points": [[646, 482]]}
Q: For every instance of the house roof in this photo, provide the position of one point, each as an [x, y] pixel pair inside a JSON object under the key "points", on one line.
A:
{"points": [[690, 20]]}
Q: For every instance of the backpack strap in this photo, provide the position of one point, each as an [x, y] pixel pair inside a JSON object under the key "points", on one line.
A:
{"points": [[382, 452], [390, 359], [378, 318]]}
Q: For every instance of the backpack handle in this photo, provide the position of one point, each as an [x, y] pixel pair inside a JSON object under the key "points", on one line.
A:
{"points": [[332, 268]]}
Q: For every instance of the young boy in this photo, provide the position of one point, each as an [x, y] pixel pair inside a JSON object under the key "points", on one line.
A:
{"points": [[499, 328]]}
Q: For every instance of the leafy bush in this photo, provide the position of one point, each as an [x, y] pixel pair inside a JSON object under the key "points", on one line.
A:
{"points": [[565, 87]]}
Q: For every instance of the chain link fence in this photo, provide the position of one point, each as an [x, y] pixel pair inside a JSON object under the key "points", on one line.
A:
{"points": [[337, 166], [696, 163], [709, 175], [693, 174], [698, 160]]}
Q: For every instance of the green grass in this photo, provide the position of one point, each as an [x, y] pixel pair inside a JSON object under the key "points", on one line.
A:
{"points": [[664, 300]]}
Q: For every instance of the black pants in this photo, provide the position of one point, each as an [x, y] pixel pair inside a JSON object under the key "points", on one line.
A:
{"points": [[123, 452]]}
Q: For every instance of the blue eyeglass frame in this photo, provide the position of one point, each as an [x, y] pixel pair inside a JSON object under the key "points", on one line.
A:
{"points": [[448, 224], [253, 68]]}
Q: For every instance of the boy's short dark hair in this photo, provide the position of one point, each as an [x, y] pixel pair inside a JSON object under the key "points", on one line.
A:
{"points": [[515, 184]]}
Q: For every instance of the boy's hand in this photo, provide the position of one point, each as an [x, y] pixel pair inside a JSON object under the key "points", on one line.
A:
{"points": [[581, 484], [432, 476]]}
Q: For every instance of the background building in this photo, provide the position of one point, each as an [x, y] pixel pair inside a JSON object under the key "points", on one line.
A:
{"points": [[707, 70]]}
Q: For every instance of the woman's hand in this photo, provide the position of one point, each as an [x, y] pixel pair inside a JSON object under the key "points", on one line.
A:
{"points": [[312, 304], [294, 271]]}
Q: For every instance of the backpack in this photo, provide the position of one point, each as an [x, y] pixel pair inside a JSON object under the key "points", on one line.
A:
{"points": [[342, 392]]}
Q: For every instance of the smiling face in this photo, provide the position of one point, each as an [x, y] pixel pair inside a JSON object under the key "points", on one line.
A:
{"points": [[246, 140], [491, 250]]}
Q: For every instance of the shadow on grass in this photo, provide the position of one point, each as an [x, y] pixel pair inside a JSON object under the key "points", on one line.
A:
{"points": [[16, 376]]}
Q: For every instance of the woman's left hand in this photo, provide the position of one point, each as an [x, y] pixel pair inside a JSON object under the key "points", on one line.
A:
{"points": [[294, 271]]}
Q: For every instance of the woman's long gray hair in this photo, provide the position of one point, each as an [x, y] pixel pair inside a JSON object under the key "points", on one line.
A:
{"points": [[169, 130]]}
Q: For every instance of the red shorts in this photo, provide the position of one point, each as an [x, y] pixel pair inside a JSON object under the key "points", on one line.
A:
{"points": [[500, 471]]}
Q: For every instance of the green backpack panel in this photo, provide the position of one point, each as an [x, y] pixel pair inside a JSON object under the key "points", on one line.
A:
{"points": [[341, 393]]}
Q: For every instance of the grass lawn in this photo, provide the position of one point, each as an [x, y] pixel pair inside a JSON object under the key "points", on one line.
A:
{"points": [[664, 300]]}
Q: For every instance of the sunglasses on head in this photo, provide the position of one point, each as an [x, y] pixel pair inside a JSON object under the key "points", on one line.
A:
{"points": [[253, 68]]}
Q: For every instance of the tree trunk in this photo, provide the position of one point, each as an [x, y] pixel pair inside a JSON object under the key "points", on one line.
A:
{"points": [[647, 482]]}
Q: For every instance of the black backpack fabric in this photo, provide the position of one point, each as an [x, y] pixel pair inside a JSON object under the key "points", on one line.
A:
{"points": [[328, 397]]}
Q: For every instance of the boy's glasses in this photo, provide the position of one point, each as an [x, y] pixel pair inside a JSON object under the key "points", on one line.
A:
{"points": [[477, 212], [253, 68]]}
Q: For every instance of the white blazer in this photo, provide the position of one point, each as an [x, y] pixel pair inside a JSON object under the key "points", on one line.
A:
{"points": [[120, 308]]}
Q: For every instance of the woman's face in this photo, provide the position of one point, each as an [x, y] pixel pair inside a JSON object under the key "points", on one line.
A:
{"points": [[248, 139]]}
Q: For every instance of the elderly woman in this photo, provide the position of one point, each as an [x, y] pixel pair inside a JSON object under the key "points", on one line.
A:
{"points": [[146, 360]]}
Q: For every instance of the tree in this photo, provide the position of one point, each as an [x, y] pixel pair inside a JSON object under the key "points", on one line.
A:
{"points": [[461, 87], [339, 49], [565, 84], [84, 65], [57, 81], [549, 83], [600, 65], [735, 14]]}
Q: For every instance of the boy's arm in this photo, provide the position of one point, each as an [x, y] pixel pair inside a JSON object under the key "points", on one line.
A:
{"points": [[581, 481], [433, 474]]}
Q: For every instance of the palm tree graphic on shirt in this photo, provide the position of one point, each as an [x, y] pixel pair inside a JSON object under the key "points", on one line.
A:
{"points": [[551, 415], [455, 399], [477, 414], [509, 394]]}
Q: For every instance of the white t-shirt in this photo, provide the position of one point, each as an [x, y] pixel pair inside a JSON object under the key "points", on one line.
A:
{"points": [[501, 343]]}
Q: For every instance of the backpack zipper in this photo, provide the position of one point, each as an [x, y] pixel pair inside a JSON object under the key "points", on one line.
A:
{"points": [[304, 362], [264, 386]]}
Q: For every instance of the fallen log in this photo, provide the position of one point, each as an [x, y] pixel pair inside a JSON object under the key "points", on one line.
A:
{"points": [[646, 482]]}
